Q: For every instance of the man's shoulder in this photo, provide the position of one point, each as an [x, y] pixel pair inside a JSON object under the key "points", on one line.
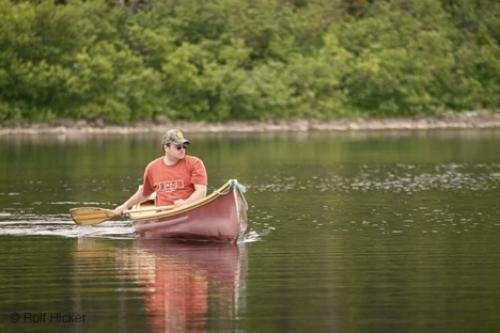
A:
{"points": [[193, 159], [193, 163], [154, 163]]}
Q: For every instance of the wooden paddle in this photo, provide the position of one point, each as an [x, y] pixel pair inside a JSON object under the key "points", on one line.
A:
{"points": [[96, 215]]}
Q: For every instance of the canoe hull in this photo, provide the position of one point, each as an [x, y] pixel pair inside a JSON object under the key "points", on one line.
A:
{"points": [[220, 219]]}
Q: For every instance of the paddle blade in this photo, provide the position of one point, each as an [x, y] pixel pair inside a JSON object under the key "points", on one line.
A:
{"points": [[90, 215]]}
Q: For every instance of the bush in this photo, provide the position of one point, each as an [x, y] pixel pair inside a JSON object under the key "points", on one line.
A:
{"points": [[241, 59]]}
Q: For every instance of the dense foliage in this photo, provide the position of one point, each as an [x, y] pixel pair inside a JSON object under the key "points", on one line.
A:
{"points": [[123, 61]]}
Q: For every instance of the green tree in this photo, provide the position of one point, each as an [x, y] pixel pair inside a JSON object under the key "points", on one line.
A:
{"points": [[133, 60]]}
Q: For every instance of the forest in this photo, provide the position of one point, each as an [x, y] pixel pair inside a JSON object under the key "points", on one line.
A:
{"points": [[125, 61]]}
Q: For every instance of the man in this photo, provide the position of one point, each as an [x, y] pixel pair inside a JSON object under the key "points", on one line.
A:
{"points": [[176, 178]]}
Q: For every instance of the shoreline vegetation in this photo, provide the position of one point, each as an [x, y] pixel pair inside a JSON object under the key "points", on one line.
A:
{"points": [[239, 63], [466, 120]]}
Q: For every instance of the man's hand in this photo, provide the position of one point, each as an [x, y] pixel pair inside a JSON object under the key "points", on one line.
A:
{"points": [[179, 202], [119, 211]]}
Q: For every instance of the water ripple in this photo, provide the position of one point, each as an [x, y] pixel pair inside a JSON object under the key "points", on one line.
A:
{"points": [[54, 226], [400, 178]]}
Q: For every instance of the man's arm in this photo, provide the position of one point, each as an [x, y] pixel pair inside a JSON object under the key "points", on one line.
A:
{"points": [[200, 191], [136, 198]]}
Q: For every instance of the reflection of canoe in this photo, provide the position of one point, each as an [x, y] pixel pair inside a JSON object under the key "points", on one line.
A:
{"points": [[189, 286], [220, 216], [219, 260], [185, 286]]}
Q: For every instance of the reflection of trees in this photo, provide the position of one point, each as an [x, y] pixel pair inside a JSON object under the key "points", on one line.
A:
{"points": [[186, 287]]}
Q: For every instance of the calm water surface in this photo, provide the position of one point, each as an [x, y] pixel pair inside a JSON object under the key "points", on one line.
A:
{"points": [[353, 232]]}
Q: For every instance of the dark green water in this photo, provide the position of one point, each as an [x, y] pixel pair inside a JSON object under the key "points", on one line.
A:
{"points": [[366, 232]]}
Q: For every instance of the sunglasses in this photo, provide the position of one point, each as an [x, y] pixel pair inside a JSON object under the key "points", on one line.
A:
{"points": [[180, 146]]}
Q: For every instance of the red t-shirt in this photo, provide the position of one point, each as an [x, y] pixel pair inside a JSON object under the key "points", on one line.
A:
{"points": [[172, 182]]}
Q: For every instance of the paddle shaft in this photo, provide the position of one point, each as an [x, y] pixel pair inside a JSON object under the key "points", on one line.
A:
{"points": [[95, 215], [148, 209]]}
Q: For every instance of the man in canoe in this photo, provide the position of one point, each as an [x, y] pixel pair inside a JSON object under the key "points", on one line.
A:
{"points": [[175, 177]]}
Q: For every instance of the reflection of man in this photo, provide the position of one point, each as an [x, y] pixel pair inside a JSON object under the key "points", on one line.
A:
{"points": [[179, 302], [182, 279], [176, 178], [186, 287]]}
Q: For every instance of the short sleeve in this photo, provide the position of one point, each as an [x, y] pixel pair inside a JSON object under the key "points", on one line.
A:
{"points": [[198, 173]]}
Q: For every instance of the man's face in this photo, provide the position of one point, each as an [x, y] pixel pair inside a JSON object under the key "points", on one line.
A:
{"points": [[177, 151]]}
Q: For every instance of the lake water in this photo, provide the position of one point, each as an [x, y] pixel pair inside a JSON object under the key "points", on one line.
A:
{"points": [[348, 232]]}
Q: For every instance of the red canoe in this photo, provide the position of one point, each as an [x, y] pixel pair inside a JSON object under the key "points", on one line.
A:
{"points": [[221, 216]]}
